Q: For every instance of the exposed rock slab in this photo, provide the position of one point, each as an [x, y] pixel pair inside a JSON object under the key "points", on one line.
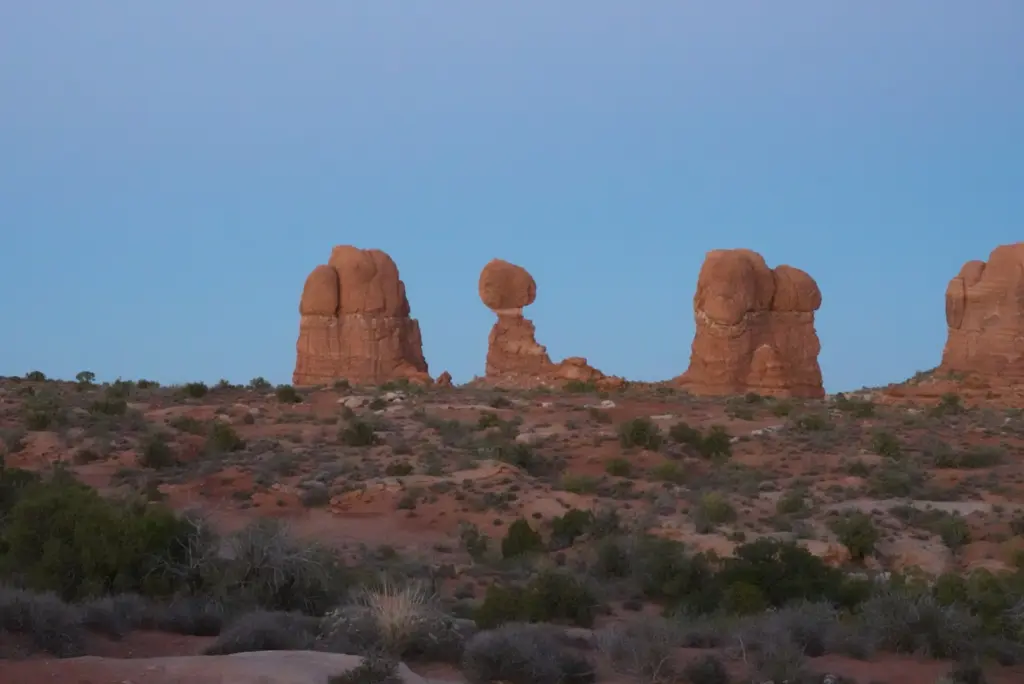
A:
{"points": [[355, 323], [754, 329], [258, 667]]}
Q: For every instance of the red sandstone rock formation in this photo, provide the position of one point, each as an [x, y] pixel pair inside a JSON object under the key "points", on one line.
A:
{"points": [[444, 380], [355, 323], [755, 329], [985, 315], [514, 358]]}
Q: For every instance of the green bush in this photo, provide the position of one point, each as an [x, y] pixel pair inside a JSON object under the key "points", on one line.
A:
{"points": [[223, 438], [857, 532], [359, 433], [521, 539], [195, 390], [782, 571], [640, 432], [716, 444], [64, 537], [886, 444], [549, 597], [618, 467], [574, 523], [156, 453], [286, 394]]}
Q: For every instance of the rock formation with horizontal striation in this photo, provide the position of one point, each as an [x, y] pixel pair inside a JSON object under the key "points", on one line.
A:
{"points": [[985, 317], [355, 323], [514, 358], [754, 329]]}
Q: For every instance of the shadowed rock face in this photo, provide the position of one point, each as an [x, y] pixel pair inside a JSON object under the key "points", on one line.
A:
{"points": [[355, 323], [985, 316], [755, 329], [513, 355]]}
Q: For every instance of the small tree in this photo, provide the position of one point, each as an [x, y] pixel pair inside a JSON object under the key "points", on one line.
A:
{"points": [[520, 539], [86, 378], [857, 532]]}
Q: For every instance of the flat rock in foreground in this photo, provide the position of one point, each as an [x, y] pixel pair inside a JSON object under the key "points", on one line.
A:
{"points": [[258, 667]]}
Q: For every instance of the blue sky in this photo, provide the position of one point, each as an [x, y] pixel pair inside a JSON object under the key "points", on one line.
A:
{"points": [[171, 171]]}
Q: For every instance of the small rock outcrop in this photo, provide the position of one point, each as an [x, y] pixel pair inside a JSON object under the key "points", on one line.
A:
{"points": [[514, 358], [755, 329], [985, 317], [355, 323]]}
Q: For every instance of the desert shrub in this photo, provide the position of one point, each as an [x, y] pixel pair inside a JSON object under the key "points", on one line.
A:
{"points": [[618, 467], [811, 422], [978, 456], [791, 503], [271, 570], [572, 524], [286, 394], [222, 438], [64, 537], [521, 539], [669, 471], [188, 424], [954, 531], [401, 620], [641, 648], [488, 419], [259, 383], [713, 509], [523, 654], [949, 404], [109, 406], [716, 443], [914, 622], [857, 532], [858, 408], [42, 412], [683, 433], [772, 654], [118, 615], [886, 444], [640, 432], [706, 670], [195, 390], [551, 596], [35, 376], [12, 482], [742, 598], [398, 469], [522, 456], [782, 571], [665, 572], [53, 626], [375, 668], [266, 631], [359, 433], [156, 453]]}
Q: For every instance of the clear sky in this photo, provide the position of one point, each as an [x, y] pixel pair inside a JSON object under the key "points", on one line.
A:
{"points": [[171, 171]]}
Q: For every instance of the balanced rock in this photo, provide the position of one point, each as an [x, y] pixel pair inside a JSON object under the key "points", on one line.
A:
{"points": [[755, 329], [355, 323], [985, 317], [514, 358]]}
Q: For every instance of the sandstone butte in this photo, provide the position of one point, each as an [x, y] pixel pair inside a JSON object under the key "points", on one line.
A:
{"points": [[754, 329], [355, 323], [514, 358], [985, 317], [983, 359]]}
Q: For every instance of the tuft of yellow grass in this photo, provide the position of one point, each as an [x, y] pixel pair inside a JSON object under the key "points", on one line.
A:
{"points": [[398, 609]]}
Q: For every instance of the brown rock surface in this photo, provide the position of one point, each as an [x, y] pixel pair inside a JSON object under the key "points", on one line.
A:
{"points": [[355, 323], [514, 358], [985, 317], [444, 380], [755, 329]]}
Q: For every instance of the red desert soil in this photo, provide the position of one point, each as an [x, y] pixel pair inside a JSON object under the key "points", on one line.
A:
{"points": [[441, 462]]}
